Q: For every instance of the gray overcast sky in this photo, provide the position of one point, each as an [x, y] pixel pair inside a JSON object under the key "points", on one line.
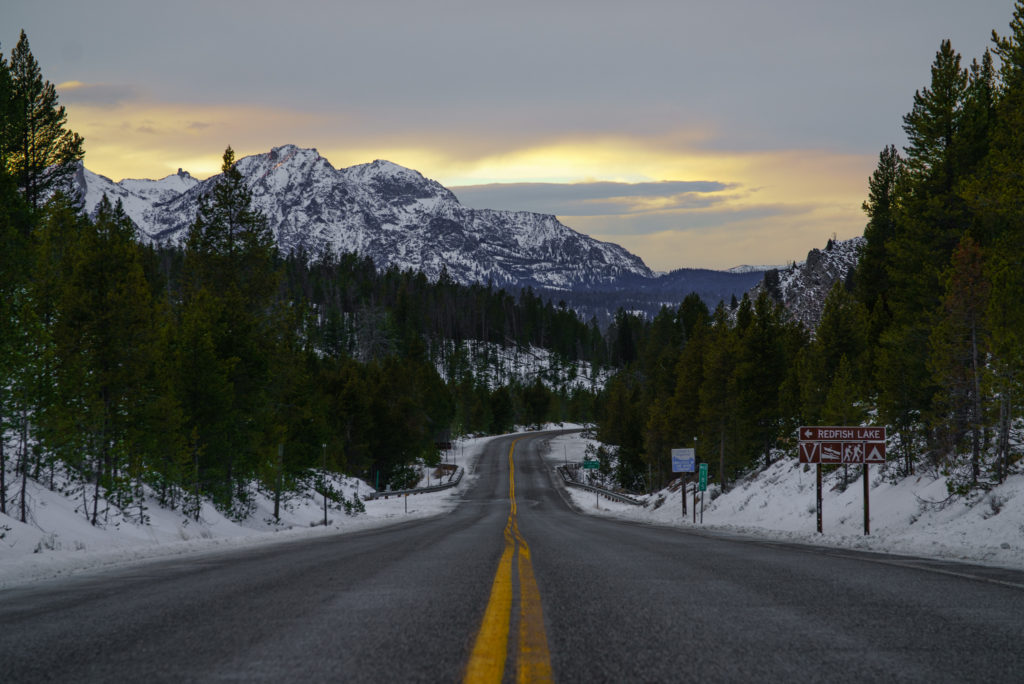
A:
{"points": [[775, 110]]}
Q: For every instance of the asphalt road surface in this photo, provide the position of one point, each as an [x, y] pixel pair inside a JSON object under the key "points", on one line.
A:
{"points": [[516, 585]]}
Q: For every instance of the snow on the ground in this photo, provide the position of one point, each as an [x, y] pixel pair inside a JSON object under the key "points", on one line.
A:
{"points": [[59, 540], [499, 365], [910, 516]]}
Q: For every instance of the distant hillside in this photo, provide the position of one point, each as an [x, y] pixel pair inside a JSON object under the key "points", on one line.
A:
{"points": [[648, 295], [802, 287]]}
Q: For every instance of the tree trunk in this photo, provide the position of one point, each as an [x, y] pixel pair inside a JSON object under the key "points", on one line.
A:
{"points": [[721, 456], [1003, 449], [195, 462], [3, 473], [277, 483], [975, 410], [96, 490], [24, 465]]}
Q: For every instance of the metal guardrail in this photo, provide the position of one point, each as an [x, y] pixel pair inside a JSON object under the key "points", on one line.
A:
{"points": [[453, 481], [608, 494]]}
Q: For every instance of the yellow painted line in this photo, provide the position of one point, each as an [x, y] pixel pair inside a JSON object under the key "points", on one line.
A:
{"points": [[487, 662], [512, 477], [534, 664], [490, 650]]}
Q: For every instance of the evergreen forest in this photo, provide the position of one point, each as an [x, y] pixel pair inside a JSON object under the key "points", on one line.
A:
{"points": [[205, 370], [925, 337]]}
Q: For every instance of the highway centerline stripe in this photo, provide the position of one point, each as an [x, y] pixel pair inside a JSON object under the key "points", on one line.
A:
{"points": [[534, 664], [490, 650]]}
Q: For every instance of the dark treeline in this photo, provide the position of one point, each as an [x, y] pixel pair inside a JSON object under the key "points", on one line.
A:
{"points": [[206, 370], [347, 291], [925, 338]]}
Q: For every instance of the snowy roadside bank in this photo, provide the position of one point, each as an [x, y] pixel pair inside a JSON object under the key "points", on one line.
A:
{"points": [[58, 539], [912, 516]]}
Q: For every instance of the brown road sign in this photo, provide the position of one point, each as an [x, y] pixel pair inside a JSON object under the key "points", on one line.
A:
{"points": [[838, 433]]}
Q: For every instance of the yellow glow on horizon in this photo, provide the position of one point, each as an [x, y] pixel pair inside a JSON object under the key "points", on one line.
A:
{"points": [[816, 192]]}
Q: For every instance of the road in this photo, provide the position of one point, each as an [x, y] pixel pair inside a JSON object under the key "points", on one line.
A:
{"points": [[516, 584]]}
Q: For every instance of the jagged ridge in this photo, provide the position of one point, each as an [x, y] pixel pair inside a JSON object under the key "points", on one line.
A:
{"points": [[802, 287], [381, 210]]}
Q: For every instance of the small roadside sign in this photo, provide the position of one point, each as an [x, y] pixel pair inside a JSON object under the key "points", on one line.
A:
{"points": [[684, 461], [702, 482], [846, 445], [842, 445], [591, 465]]}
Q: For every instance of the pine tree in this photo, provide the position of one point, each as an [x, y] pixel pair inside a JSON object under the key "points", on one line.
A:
{"points": [[45, 153], [1005, 369], [959, 345], [872, 278], [995, 194], [717, 394], [105, 346], [231, 278], [203, 389], [842, 332], [933, 215], [931, 220], [760, 370]]}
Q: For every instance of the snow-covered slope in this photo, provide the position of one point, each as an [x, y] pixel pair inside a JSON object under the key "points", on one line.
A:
{"points": [[137, 196], [802, 287], [909, 515], [501, 365], [387, 212], [58, 539]]}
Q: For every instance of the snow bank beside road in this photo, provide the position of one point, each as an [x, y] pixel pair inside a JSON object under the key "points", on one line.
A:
{"points": [[59, 540], [913, 515]]}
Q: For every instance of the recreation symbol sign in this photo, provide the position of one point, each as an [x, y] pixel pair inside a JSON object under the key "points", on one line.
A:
{"points": [[842, 444]]}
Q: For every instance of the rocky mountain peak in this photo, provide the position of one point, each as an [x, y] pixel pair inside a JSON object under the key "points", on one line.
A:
{"points": [[397, 183], [390, 213], [802, 287]]}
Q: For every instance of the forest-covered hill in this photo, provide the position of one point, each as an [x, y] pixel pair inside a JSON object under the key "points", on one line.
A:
{"points": [[924, 337]]}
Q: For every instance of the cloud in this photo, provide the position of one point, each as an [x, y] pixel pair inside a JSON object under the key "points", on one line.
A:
{"points": [[744, 206], [595, 198], [96, 94], [727, 236], [721, 218]]}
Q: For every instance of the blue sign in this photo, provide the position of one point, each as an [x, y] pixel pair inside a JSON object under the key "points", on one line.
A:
{"points": [[684, 461]]}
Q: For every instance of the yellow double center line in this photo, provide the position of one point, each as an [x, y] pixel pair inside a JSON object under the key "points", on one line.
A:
{"points": [[490, 651]]}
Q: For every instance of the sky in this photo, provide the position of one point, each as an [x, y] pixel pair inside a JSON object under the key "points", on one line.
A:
{"points": [[693, 133]]}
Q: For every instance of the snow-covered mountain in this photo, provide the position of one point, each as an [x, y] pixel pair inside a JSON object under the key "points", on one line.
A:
{"points": [[387, 212], [802, 287]]}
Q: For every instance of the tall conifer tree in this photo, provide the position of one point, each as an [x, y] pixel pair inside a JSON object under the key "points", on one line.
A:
{"points": [[45, 152]]}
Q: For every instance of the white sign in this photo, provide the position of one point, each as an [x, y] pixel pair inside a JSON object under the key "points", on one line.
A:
{"points": [[684, 461]]}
